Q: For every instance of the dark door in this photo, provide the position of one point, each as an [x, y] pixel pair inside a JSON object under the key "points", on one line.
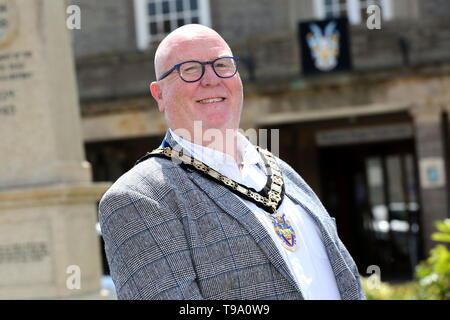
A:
{"points": [[372, 191]]}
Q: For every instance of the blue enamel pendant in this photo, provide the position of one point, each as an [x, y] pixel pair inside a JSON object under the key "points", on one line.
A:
{"points": [[285, 232]]}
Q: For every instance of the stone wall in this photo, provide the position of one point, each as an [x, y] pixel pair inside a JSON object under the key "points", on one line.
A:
{"points": [[434, 9], [115, 75], [106, 26], [264, 36], [427, 41], [239, 21]]}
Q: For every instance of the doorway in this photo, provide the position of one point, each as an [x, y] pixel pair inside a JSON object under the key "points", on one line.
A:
{"points": [[372, 191]]}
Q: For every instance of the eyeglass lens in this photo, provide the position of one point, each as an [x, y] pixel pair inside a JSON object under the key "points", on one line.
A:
{"points": [[192, 71]]}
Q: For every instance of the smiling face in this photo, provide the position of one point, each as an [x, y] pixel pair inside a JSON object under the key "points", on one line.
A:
{"points": [[216, 102]]}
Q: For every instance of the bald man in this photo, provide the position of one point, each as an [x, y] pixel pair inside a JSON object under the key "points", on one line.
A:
{"points": [[209, 215]]}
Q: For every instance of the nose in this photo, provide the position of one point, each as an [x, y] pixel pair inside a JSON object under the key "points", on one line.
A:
{"points": [[209, 77]]}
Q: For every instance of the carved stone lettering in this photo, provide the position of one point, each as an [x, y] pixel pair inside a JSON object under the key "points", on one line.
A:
{"points": [[23, 252], [13, 68]]}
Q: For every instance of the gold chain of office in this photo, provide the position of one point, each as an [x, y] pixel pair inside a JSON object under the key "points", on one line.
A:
{"points": [[275, 173]]}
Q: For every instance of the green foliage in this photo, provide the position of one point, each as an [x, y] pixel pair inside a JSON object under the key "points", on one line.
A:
{"points": [[385, 291], [444, 234], [432, 275]]}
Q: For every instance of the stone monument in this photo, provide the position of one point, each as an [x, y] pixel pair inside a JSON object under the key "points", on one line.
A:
{"points": [[48, 204]]}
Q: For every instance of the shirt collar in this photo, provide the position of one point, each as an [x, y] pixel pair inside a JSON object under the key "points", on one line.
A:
{"points": [[218, 160]]}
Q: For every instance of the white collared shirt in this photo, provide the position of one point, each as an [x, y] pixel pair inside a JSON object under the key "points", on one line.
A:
{"points": [[309, 264]]}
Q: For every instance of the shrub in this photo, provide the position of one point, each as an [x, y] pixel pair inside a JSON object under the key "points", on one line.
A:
{"points": [[433, 274], [386, 291]]}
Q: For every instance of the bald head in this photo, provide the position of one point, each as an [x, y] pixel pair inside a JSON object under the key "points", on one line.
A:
{"points": [[213, 101], [175, 40]]}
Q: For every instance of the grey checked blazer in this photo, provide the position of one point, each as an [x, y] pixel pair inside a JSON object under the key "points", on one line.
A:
{"points": [[171, 233]]}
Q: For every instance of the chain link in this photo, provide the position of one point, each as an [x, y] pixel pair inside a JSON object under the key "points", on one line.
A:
{"points": [[275, 171]]}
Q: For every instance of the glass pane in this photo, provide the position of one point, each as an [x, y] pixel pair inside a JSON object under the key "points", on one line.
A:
{"points": [[397, 199], [395, 177], [151, 8], [368, 3], [375, 183], [411, 181], [195, 20], [165, 7], [375, 180], [167, 28], [363, 14], [153, 28], [342, 8], [365, 4], [179, 5], [194, 5], [413, 208], [180, 22]]}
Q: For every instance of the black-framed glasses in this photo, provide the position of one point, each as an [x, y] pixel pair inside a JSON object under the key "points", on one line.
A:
{"points": [[192, 71]]}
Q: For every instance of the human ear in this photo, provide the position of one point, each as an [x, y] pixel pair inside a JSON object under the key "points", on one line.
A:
{"points": [[155, 89]]}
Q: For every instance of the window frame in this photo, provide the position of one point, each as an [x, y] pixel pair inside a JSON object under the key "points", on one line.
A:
{"points": [[144, 38]]}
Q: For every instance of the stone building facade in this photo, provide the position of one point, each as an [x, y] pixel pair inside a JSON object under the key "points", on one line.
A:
{"points": [[372, 142]]}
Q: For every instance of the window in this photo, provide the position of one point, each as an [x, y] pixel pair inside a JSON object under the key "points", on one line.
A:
{"points": [[355, 10], [156, 18]]}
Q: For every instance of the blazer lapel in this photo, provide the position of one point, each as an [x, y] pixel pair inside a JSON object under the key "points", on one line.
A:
{"points": [[345, 280], [228, 202]]}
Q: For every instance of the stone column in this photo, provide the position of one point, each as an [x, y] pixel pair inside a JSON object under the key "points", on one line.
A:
{"points": [[48, 204], [431, 157], [446, 108]]}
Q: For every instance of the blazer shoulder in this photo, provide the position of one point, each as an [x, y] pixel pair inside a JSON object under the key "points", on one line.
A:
{"points": [[150, 179], [154, 171]]}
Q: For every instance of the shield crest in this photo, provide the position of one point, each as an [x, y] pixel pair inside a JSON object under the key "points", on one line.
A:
{"points": [[285, 232]]}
